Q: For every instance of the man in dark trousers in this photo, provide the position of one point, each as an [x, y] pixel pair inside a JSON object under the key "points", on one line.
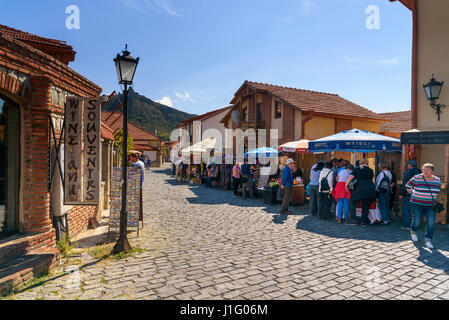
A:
{"points": [[287, 183], [137, 163], [412, 171]]}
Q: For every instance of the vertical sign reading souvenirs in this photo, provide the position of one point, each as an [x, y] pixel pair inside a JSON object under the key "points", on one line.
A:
{"points": [[82, 151], [92, 139]]}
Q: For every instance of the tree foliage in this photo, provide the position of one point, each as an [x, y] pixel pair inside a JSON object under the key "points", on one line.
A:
{"points": [[118, 141]]}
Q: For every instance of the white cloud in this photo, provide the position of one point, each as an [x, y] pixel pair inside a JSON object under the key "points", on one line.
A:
{"points": [[134, 4], [186, 96], [166, 101], [163, 6], [384, 62], [160, 6]]}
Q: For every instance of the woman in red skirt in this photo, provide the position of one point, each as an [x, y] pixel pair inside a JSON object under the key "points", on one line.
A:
{"points": [[340, 194]]}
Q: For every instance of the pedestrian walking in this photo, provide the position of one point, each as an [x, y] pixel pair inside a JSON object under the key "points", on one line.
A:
{"points": [[148, 163], [137, 163], [412, 171], [341, 194], [245, 177], [287, 184], [364, 189], [383, 187], [325, 189], [424, 189], [314, 185], [236, 174]]}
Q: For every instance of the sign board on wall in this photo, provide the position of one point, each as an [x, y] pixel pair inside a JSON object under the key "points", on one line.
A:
{"points": [[82, 151]]}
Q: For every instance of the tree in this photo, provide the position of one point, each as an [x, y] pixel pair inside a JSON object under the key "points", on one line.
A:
{"points": [[118, 141], [164, 150]]}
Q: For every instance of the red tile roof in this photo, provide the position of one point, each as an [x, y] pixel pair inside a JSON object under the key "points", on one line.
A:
{"points": [[116, 123], [142, 147], [28, 37], [313, 101], [400, 121], [106, 131], [206, 115]]}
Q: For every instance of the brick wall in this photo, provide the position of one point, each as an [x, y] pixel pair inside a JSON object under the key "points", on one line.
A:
{"points": [[34, 98], [78, 218]]}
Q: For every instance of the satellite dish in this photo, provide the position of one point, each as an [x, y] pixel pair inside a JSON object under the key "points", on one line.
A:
{"points": [[235, 116]]}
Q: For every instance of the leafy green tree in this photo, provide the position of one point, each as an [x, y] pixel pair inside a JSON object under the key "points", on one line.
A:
{"points": [[118, 141]]}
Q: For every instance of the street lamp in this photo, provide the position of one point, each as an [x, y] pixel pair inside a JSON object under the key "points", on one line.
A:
{"points": [[126, 67], [433, 90]]}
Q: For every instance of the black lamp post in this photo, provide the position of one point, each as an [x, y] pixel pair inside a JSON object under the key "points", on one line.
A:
{"points": [[126, 67], [432, 90]]}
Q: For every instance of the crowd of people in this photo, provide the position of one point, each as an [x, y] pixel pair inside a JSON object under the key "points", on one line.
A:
{"points": [[340, 185]]}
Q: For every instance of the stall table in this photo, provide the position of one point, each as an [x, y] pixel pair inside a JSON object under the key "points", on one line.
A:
{"points": [[298, 194]]}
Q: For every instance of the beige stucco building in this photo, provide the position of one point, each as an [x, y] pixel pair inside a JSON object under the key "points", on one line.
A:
{"points": [[430, 53]]}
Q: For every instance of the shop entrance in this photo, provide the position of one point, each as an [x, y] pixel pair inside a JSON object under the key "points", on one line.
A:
{"points": [[9, 166]]}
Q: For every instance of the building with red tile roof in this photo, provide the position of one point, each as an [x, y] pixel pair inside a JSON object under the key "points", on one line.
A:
{"points": [[400, 121], [56, 48], [35, 81], [296, 113], [145, 142]]}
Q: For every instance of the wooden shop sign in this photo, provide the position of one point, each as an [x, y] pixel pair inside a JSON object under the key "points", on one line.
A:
{"points": [[82, 156]]}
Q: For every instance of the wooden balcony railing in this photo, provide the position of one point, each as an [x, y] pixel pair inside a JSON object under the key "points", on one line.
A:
{"points": [[253, 124]]}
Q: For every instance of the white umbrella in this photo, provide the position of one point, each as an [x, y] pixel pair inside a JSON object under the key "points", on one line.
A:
{"points": [[301, 146], [202, 146]]}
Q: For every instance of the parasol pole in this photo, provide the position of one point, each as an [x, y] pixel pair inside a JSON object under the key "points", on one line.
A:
{"points": [[355, 157]]}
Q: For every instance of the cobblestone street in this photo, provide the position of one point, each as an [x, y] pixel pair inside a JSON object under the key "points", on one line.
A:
{"points": [[205, 244]]}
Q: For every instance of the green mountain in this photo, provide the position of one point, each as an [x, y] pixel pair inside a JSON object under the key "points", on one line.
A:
{"points": [[150, 115]]}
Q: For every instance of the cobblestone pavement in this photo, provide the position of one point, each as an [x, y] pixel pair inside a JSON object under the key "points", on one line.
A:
{"points": [[205, 244]]}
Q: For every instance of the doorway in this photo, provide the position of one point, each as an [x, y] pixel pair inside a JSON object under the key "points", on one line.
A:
{"points": [[9, 166]]}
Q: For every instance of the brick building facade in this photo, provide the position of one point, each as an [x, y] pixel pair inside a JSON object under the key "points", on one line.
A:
{"points": [[34, 81]]}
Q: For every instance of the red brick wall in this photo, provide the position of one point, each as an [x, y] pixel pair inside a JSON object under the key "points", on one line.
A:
{"points": [[44, 71], [78, 218]]}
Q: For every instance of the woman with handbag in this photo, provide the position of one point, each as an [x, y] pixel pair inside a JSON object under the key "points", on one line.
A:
{"points": [[236, 174], [360, 182], [424, 189]]}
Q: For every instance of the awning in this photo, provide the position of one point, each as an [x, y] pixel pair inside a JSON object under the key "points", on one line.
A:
{"points": [[355, 140], [425, 136], [301, 146], [202, 146]]}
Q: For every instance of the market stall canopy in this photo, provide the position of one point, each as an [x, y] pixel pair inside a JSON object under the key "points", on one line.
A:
{"points": [[268, 152], [301, 146], [355, 140], [202, 146]]}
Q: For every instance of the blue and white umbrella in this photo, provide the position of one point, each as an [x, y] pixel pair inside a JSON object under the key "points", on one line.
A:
{"points": [[265, 151], [355, 140]]}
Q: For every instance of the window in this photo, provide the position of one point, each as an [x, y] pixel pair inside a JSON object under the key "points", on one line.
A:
{"points": [[259, 112], [245, 115], [277, 110]]}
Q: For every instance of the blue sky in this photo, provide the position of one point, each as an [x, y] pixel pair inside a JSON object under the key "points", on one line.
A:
{"points": [[194, 54]]}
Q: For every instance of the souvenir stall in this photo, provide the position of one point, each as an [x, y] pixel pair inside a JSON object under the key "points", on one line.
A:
{"points": [[357, 141], [195, 154], [263, 183], [298, 149]]}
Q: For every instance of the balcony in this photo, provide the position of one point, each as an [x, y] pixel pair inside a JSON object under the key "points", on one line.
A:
{"points": [[253, 124]]}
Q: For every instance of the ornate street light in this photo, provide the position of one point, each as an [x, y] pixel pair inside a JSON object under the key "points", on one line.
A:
{"points": [[433, 90], [126, 67]]}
